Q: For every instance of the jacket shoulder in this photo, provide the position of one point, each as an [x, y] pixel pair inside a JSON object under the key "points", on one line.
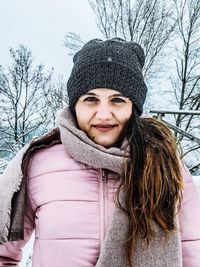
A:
{"points": [[47, 140]]}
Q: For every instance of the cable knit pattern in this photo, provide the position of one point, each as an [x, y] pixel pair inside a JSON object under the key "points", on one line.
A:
{"points": [[116, 64]]}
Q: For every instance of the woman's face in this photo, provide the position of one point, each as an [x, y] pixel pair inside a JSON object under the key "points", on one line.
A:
{"points": [[103, 114]]}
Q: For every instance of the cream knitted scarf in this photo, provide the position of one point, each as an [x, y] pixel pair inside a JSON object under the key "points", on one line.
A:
{"points": [[161, 251]]}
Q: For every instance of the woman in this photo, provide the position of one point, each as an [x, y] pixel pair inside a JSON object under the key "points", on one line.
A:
{"points": [[105, 188]]}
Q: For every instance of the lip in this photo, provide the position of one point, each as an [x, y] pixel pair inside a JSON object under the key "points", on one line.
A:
{"points": [[104, 128]]}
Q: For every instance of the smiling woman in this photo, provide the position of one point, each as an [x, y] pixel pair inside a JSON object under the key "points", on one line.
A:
{"points": [[106, 188], [103, 115]]}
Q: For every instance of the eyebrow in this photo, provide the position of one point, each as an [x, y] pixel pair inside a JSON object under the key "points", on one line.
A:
{"points": [[118, 94]]}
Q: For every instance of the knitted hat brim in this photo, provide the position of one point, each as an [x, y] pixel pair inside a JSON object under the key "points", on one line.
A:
{"points": [[107, 75]]}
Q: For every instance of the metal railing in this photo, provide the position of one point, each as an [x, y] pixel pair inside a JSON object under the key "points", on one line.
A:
{"points": [[161, 113]]}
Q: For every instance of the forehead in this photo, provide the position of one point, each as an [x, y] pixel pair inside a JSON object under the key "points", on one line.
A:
{"points": [[103, 92]]}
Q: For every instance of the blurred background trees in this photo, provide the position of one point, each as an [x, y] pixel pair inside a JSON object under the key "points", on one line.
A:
{"points": [[169, 32], [28, 101], [186, 76]]}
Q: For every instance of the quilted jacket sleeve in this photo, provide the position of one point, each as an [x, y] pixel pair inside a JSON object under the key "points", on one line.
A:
{"points": [[11, 252], [189, 220]]}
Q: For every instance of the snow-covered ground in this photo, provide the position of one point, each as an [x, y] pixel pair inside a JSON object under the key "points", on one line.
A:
{"points": [[27, 252]]}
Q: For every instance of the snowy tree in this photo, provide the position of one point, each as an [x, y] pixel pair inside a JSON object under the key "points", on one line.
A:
{"points": [[22, 103], [186, 77], [73, 42], [56, 98], [3, 164], [147, 22]]}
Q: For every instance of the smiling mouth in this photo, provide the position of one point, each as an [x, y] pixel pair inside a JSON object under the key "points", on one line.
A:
{"points": [[104, 128]]}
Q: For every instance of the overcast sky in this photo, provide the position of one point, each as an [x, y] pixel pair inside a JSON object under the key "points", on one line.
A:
{"points": [[41, 25]]}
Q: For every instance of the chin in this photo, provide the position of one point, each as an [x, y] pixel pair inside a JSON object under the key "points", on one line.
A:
{"points": [[105, 144]]}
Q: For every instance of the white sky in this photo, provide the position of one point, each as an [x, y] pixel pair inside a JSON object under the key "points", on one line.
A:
{"points": [[41, 25]]}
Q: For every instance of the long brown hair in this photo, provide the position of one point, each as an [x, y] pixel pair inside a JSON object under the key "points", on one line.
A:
{"points": [[151, 182]]}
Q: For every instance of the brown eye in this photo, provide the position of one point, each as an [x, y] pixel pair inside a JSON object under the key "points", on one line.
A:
{"points": [[90, 99], [118, 100]]}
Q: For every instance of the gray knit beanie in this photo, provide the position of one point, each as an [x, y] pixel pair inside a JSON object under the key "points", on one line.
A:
{"points": [[115, 64]]}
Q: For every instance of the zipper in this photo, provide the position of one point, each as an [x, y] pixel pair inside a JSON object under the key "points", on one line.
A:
{"points": [[103, 199], [104, 177]]}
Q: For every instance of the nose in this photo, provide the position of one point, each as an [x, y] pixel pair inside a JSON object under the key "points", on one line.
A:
{"points": [[103, 113]]}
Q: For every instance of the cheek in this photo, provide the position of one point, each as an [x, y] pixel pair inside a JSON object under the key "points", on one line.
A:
{"points": [[124, 117], [79, 118], [81, 113], [83, 119]]}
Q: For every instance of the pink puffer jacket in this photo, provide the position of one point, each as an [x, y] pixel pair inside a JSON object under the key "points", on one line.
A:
{"points": [[70, 208]]}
